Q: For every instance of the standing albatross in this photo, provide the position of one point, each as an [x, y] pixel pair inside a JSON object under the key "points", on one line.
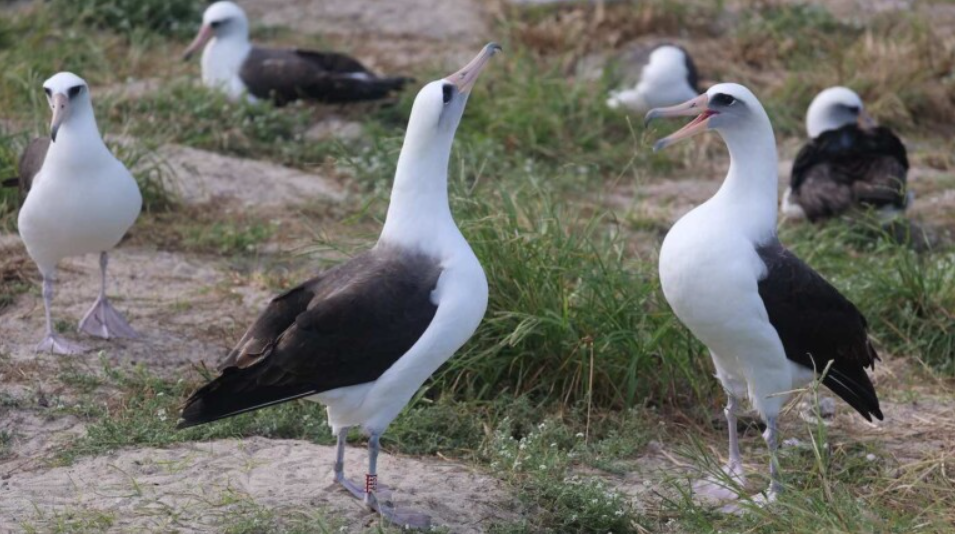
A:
{"points": [[233, 65], [362, 337], [771, 323], [79, 200], [848, 162]]}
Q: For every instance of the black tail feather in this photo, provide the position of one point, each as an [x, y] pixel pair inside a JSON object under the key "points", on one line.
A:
{"points": [[10, 182], [233, 393], [856, 389]]}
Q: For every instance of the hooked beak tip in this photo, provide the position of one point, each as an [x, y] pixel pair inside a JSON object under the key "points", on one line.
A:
{"points": [[652, 114], [660, 145]]}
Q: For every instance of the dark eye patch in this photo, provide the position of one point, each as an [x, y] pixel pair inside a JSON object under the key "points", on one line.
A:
{"points": [[447, 93], [853, 109], [722, 99], [216, 24], [75, 90], [47, 91]]}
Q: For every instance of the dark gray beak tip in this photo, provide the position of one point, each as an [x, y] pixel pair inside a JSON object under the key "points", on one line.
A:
{"points": [[659, 145], [493, 48], [649, 117], [53, 135]]}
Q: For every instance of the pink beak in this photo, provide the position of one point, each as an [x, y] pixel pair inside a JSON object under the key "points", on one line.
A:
{"points": [[205, 33]]}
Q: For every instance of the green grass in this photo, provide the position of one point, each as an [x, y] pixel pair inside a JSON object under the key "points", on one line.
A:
{"points": [[570, 317], [189, 114], [168, 17], [907, 297]]}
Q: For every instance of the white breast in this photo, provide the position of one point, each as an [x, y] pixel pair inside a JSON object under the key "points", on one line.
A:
{"points": [[76, 211], [222, 60], [709, 275]]}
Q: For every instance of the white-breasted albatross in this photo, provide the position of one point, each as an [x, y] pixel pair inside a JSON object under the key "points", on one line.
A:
{"points": [[362, 337], [771, 323], [668, 78], [79, 200], [233, 65], [849, 161]]}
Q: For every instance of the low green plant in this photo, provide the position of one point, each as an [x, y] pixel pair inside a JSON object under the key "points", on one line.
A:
{"points": [[170, 17]]}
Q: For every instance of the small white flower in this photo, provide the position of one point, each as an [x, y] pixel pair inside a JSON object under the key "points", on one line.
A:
{"points": [[162, 414]]}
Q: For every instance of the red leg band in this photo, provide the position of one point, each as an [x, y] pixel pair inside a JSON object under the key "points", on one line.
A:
{"points": [[371, 483]]}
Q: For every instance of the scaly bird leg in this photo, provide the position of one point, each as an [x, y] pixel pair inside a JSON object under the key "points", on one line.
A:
{"points": [[102, 320], [53, 342]]}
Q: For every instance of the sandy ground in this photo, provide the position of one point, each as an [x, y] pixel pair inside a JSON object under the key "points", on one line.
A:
{"points": [[141, 486]]}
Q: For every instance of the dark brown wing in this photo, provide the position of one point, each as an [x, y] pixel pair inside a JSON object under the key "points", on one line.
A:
{"points": [[850, 166], [343, 328], [284, 75], [31, 162], [818, 325]]}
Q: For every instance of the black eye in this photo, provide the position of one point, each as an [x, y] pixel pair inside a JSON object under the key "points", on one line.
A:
{"points": [[853, 109], [215, 24], [75, 90], [47, 91], [447, 92], [723, 99]]}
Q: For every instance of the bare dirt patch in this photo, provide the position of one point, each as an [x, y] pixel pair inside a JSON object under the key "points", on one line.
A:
{"points": [[184, 308], [140, 487]]}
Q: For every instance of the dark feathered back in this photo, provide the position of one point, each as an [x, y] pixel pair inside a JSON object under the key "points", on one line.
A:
{"points": [[849, 166], [284, 75], [31, 161], [342, 328], [818, 325]]}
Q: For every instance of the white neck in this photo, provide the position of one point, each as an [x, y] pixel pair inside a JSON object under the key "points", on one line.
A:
{"points": [[419, 214], [222, 59], [78, 141], [749, 194], [823, 117]]}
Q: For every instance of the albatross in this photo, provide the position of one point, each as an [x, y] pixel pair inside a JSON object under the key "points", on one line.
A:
{"points": [[668, 78], [79, 200], [233, 65], [849, 161], [771, 323], [362, 337]]}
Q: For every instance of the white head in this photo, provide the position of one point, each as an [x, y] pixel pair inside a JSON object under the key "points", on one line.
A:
{"points": [[834, 108], [222, 20], [729, 108], [69, 98], [438, 108], [667, 63]]}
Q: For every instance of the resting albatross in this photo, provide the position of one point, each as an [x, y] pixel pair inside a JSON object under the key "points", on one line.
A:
{"points": [[849, 161], [79, 200], [231, 64], [361, 338], [771, 323], [668, 78]]}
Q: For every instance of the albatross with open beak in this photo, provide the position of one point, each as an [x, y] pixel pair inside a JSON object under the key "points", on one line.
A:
{"points": [[771, 323], [79, 199], [233, 65], [362, 337]]}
